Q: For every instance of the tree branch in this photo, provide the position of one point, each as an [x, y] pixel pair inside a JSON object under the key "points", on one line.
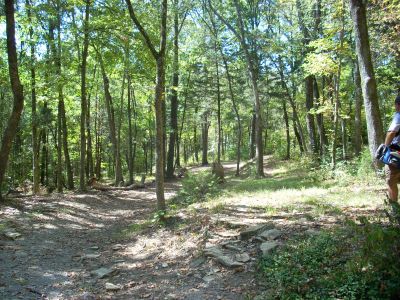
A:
{"points": [[141, 29], [225, 22]]}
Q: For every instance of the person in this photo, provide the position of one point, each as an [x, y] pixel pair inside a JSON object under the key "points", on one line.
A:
{"points": [[392, 140]]}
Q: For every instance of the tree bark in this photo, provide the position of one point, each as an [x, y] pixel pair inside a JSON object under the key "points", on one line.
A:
{"points": [[368, 83], [82, 181], [17, 90], [204, 138], [174, 97], [357, 110], [35, 130], [111, 122], [159, 100]]}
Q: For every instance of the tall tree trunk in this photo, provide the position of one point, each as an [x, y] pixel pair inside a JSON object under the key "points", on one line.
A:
{"points": [[357, 110], [287, 129], [89, 150], [174, 97], [17, 90], [368, 83], [130, 135], [159, 100], [111, 122], [252, 66], [323, 140], [253, 136], [219, 133], [35, 131], [235, 108], [204, 138], [82, 183]]}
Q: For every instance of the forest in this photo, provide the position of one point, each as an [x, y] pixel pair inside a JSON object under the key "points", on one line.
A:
{"points": [[134, 122]]}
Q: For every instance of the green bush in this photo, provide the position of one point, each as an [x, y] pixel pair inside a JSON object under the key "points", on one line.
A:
{"points": [[197, 188], [358, 262]]}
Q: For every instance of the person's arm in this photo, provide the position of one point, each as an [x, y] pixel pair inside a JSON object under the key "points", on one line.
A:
{"points": [[389, 137]]}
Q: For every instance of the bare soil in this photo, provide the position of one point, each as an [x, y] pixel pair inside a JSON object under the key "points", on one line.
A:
{"points": [[65, 238]]}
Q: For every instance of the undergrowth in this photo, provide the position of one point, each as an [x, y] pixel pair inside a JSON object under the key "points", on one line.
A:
{"points": [[354, 262], [197, 188]]}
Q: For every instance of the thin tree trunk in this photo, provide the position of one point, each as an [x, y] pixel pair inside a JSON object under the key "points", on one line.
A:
{"points": [[82, 182], [174, 97], [368, 83], [357, 110], [111, 121], [323, 141], [130, 135], [17, 90], [35, 131], [204, 138]]}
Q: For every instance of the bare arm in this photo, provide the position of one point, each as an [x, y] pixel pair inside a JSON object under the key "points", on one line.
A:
{"points": [[389, 137]]}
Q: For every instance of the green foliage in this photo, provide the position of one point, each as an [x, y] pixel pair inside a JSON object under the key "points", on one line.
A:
{"points": [[358, 262], [197, 188]]}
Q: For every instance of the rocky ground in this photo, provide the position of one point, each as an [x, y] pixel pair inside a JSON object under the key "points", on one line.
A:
{"points": [[101, 245]]}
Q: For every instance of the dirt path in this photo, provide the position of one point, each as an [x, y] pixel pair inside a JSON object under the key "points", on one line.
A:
{"points": [[101, 245]]}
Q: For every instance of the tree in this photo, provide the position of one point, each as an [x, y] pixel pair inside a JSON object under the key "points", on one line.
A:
{"points": [[159, 57], [368, 83], [17, 90], [82, 183]]}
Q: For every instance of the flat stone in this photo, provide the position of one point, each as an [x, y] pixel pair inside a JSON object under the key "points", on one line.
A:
{"points": [[94, 248], [219, 256], [117, 247], [12, 235], [164, 265], [267, 247], [271, 234], [112, 287], [209, 278], [21, 253], [197, 262], [243, 257], [102, 272], [251, 231], [91, 256]]}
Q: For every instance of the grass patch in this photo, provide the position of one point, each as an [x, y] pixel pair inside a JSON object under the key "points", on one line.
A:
{"points": [[197, 188], [355, 262]]}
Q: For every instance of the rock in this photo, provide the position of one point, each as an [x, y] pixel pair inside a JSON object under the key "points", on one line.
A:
{"points": [[271, 234], [117, 247], [94, 248], [302, 220], [226, 261], [112, 287], [267, 247], [21, 254], [250, 231], [12, 235], [232, 247], [91, 256], [197, 262], [209, 278], [243, 257], [171, 297], [102, 272], [164, 265], [86, 296]]}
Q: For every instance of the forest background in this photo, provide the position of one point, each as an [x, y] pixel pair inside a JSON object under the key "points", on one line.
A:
{"points": [[234, 80]]}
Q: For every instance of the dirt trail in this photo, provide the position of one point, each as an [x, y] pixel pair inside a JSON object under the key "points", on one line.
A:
{"points": [[65, 239], [101, 245]]}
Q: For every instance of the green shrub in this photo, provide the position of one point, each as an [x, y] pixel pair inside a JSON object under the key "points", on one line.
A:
{"points": [[358, 262], [197, 188]]}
